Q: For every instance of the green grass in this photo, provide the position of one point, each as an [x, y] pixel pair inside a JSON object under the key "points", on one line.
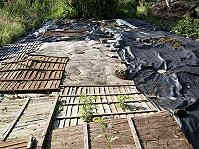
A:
{"points": [[22, 16], [185, 26], [10, 29], [17, 18]]}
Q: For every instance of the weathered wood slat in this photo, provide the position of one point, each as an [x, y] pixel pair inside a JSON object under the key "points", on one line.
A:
{"points": [[104, 99], [96, 85], [74, 110], [100, 109], [48, 125], [100, 94], [86, 137], [113, 106], [111, 102], [16, 76], [33, 69], [134, 133], [110, 114], [10, 127]]}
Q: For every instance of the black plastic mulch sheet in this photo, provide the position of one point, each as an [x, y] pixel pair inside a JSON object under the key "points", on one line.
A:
{"points": [[165, 66]]}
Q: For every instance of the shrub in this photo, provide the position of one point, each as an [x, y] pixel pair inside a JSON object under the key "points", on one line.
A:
{"points": [[87, 109], [104, 9], [127, 8], [187, 27], [20, 16]]}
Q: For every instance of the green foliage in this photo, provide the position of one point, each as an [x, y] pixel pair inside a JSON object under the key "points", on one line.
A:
{"points": [[187, 27], [9, 29], [23, 15], [109, 138], [126, 8], [104, 9], [94, 8], [143, 11], [87, 109], [1, 4], [122, 99]]}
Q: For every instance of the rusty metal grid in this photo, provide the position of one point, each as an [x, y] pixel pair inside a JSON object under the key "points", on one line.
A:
{"points": [[16, 49], [32, 73], [106, 102]]}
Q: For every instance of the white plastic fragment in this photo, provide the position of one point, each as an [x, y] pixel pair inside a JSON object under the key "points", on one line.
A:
{"points": [[122, 22]]}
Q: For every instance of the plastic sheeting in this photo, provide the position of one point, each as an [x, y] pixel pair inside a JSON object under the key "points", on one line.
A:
{"points": [[53, 25], [164, 66]]}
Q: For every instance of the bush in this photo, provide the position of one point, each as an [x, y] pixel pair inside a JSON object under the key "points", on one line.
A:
{"points": [[187, 27], [127, 8], [104, 9], [28, 14], [23, 15], [9, 28]]}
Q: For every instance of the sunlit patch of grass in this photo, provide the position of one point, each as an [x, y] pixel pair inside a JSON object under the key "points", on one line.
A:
{"points": [[9, 28], [142, 11]]}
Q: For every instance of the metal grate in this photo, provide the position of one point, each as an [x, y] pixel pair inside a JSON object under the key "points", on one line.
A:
{"points": [[106, 101]]}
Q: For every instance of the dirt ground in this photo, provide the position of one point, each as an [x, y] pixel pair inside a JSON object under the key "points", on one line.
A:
{"points": [[91, 63]]}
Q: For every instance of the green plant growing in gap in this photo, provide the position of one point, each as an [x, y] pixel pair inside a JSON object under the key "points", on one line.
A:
{"points": [[122, 99], [87, 109], [109, 138]]}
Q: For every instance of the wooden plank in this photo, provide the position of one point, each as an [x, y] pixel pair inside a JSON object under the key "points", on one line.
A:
{"points": [[62, 122], [100, 109], [36, 55], [74, 110], [45, 61], [10, 127], [134, 133], [29, 69], [113, 85], [100, 94], [19, 80], [110, 90], [111, 102], [30, 142], [110, 114], [104, 99], [48, 125], [86, 137]]}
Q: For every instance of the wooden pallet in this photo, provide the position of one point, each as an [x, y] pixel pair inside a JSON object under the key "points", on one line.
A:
{"points": [[106, 102], [160, 130], [34, 73], [155, 131], [13, 50], [21, 118]]}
